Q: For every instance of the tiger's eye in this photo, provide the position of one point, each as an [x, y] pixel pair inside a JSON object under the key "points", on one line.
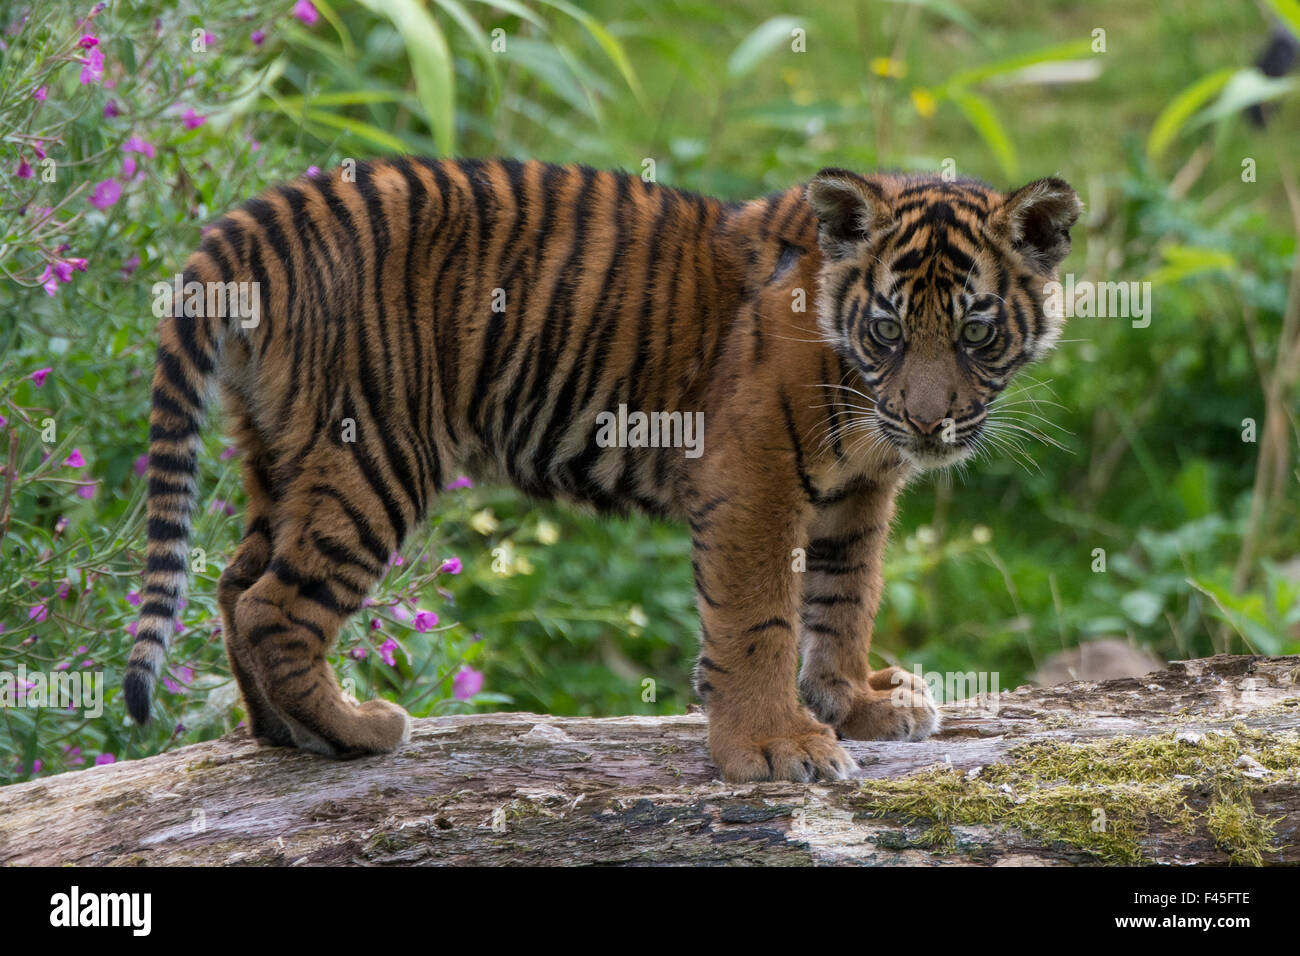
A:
{"points": [[887, 330], [976, 333]]}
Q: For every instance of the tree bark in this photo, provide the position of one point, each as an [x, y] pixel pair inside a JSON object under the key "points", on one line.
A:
{"points": [[518, 788]]}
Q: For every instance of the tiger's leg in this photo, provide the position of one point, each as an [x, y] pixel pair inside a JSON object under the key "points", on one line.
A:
{"points": [[841, 592], [247, 565], [325, 559], [748, 599]]}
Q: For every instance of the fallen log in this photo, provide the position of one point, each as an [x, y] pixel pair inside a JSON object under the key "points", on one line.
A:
{"points": [[1199, 763]]}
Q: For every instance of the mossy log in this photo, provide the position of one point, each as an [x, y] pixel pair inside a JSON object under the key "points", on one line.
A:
{"points": [[1199, 763]]}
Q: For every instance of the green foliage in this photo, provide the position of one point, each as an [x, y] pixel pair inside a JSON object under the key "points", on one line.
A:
{"points": [[561, 612]]}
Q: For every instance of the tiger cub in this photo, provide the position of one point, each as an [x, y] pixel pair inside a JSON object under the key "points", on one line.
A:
{"points": [[423, 318]]}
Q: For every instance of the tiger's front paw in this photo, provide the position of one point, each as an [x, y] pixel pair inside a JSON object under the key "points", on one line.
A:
{"points": [[800, 749], [896, 705]]}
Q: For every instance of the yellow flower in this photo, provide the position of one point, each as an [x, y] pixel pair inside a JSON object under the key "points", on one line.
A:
{"points": [[888, 67], [547, 532], [485, 522], [924, 102]]}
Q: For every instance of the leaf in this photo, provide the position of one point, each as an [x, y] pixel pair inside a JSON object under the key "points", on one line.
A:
{"points": [[1184, 261], [1288, 11], [1245, 88], [456, 10], [326, 10], [613, 49], [946, 9], [979, 112], [356, 128], [517, 9], [763, 40], [426, 48], [1181, 108], [1142, 606], [1063, 51]]}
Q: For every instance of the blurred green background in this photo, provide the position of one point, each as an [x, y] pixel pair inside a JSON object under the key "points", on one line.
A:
{"points": [[1177, 441]]}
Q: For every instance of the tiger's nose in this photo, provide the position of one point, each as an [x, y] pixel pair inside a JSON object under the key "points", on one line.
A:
{"points": [[924, 426]]}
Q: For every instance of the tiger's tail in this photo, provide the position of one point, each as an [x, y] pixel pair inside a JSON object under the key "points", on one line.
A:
{"points": [[188, 354]]}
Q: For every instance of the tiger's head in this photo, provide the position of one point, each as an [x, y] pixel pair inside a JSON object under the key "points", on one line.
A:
{"points": [[933, 291]]}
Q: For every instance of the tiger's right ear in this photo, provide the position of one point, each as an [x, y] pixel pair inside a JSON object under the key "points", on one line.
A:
{"points": [[849, 208]]}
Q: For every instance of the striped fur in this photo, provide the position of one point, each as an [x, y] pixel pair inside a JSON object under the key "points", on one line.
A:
{"points": [[377, 307]]}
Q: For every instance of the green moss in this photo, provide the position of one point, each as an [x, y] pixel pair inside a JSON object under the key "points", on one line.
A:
{"points": [[1238, 829], [1103, 798]]}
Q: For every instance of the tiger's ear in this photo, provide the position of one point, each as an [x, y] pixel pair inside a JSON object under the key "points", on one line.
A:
{"points": [[1037, 219], [849, 208]]}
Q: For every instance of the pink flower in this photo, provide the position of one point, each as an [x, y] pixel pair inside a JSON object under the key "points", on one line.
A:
{"points": [[141, 465], [24, 170], [106, 194], [258, 37], [128, 168], [131, 628], [49, 281], [38, 377], [133, 598], [137, 145], [425, 621], [87, 491], [358, 653], [451, 566], [221, 506], [193, 120], [105, 758], [88, 41], [92, 68], [38, 613], [394, 560], [305, 11], [467, 683], [72, 756], [401, 613], [209, 38], [461, 482], [40, 94], [111, 110], [75, 460], [376, 624], [229, 452], [313, 171], [129, 267], [386, 651], [3, 421], [62, 594]]}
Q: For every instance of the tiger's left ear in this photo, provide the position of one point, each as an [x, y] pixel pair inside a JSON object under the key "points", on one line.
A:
{"points": [[850, 210], [1037, 219]]}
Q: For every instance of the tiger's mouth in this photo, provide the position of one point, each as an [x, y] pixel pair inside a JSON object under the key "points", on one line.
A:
{"points": [[930, 452]]}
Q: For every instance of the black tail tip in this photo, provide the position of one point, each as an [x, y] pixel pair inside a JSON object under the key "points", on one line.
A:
{"points": [[137, 688]]}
